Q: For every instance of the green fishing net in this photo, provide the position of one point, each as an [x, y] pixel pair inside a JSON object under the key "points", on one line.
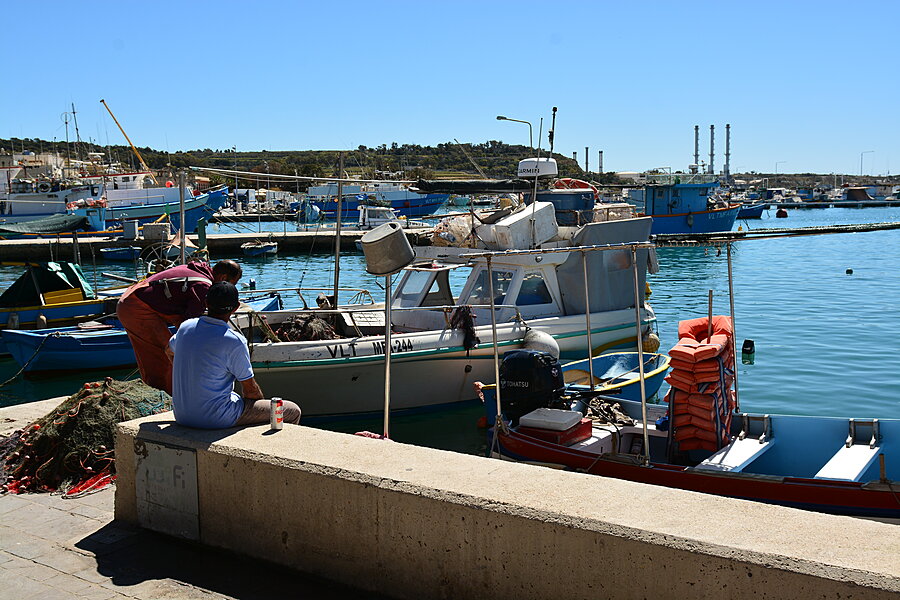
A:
{"points": [[74, 443]]}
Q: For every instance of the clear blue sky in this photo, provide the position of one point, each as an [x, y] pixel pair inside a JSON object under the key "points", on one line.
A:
{"points": [[809, 85]]}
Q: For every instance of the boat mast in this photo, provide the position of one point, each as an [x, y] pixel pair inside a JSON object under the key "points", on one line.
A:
{"points": [[133, 149], [337, 230], [77, 133]]}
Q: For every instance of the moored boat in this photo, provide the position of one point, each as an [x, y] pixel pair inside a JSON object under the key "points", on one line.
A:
{"points": [[444, 344], [92, 345], [825, 464], [752, 211], [617, 374], [686, 203], [259, 248], [52, 293], [124, 253], [701, 440], [404, 201]]}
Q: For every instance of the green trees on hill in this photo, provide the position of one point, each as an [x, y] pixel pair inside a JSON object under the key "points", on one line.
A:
{"points": [[409, 161]]}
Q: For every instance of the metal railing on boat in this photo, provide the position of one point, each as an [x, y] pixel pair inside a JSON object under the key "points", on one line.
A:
{"points": [[633, 247]]}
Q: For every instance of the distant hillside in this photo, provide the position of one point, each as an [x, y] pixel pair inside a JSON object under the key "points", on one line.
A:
{"points": [[495, 159], [407, 161]]}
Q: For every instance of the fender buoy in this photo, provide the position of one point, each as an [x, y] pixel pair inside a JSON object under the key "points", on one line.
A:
{"points": [[170, 184], [567, 183]]}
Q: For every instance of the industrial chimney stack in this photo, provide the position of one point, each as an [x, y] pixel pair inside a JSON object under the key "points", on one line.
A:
{"points": [[727, 169], [695, 166], [600, 166], [712, 149]]}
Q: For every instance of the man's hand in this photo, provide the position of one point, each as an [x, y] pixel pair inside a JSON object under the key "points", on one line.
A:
{"points": [[250, 390]]}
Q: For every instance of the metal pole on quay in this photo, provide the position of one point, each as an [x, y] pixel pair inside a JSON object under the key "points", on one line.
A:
{"points": [[337, 230]]}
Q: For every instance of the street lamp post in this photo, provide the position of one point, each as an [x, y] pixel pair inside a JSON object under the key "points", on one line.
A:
{"points": [[780, 162], [530, 136], [860, 159]]}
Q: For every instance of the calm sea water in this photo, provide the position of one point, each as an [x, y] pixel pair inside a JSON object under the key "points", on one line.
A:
{"points": [[825, 340]]}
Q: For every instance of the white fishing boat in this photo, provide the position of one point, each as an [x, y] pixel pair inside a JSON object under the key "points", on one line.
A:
{"points": [[443, 344]]}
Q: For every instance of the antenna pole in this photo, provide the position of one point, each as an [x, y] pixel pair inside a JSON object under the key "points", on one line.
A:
{"points": [[552, 132]]}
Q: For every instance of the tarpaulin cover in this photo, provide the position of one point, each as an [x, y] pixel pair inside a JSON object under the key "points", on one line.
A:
{"points": [[40, 278], [611, 278], [472, 186], [48, 225]]}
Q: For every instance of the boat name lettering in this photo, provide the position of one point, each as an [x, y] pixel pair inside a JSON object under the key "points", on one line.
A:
{"points": [[396, 346], [342, 350]]}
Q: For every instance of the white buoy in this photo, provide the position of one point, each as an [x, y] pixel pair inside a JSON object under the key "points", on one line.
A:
{"points": [[542, 342]]}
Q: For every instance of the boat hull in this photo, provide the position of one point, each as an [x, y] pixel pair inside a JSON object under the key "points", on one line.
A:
{"points": [[621, 374], [807, 444], [76, 348], [195, 207], [256, 251], [752, 211], [427, 369], [708, 221], [408, 205]]}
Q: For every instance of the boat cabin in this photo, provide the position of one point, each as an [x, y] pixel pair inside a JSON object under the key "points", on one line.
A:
{"points": [[373, 216], [521, 285]]}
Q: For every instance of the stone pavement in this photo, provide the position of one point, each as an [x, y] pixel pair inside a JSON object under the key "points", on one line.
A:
{"points": [[62, 549], [59, 549]]}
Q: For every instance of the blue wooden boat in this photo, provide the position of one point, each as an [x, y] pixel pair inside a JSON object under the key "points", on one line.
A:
{"points": [[682, 207], [618, 374], [127, 253], [96, 345], [259, 249], [826, 464], [752, 211], [53, 293], [400, 198]]}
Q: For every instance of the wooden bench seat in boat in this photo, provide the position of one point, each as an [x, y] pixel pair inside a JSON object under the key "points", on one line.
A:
{"points": [[745, 448], [856, 455], [63, 296], [736, 456]]}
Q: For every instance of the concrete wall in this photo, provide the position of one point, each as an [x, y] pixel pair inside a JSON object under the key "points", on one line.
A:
{"points": [[419, 523]]}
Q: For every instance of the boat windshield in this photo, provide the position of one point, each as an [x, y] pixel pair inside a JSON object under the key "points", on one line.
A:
{"points": [[480, 293], [415, 284]]}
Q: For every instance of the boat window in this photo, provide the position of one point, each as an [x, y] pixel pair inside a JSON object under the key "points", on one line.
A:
{"points": [[413, 287], [480, 293], [533, 291], [702, 191], [439, 294]]}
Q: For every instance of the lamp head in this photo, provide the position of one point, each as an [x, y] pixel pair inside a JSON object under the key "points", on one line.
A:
{"points": [[501, 118]]}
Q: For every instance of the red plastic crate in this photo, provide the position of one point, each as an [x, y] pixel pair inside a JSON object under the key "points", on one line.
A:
{"points": [[572, 435]]}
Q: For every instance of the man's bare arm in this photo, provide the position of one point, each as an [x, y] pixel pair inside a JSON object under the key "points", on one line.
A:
{"points": [[250, 390]]}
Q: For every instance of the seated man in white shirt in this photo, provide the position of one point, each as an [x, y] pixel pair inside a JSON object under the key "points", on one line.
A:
{"points": [[209, 356]]}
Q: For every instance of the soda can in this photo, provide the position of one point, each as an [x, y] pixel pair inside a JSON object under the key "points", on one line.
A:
{"points": [[276, 413]]}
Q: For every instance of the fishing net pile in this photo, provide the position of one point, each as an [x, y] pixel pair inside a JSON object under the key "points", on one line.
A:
{"points": [[71, 449], [304, 328]]}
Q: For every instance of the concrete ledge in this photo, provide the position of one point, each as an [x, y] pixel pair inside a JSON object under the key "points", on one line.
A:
{"points": [[419, 523]]}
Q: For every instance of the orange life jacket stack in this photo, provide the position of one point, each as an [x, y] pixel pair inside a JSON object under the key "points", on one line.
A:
{"points": [[700, 399]]}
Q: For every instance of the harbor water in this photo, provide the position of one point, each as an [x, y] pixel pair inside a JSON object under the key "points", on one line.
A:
{"points": [[823, 312]]}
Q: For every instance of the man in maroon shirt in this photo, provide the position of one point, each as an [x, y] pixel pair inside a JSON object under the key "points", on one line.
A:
{"points": [[149, 307]]}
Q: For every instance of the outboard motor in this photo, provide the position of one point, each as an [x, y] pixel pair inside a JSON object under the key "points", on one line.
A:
{"points": [[529, 379]]}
